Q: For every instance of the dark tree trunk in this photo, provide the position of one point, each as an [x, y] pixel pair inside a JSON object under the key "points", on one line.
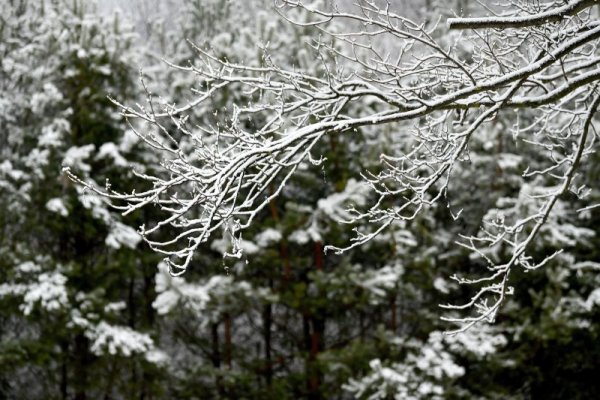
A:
{"points": [[63, 370], [149, 296], [216, 354], [393, 311], [267, 324], [82, 360], [315, 327], [227, 349], [316, 346], [131, 302], [216, 358], [307, 346]]}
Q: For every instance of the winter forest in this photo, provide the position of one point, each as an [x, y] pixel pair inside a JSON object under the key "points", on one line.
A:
{"points": [[284, 199]]}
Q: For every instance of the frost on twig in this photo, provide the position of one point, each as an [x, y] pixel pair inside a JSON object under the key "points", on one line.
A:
{"points": [[535, 64]]}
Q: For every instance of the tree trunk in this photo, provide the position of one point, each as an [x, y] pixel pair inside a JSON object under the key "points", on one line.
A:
{"points": [[316, 326], [393, 323], [131, 302], [267, 324], [227, 349], [148, 321], [216, 354], [63, 369], [82, 360], [216, 358]]}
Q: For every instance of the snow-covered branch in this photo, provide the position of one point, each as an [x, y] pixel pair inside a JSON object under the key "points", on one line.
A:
{"points": [[372, 66], [553, 14]]}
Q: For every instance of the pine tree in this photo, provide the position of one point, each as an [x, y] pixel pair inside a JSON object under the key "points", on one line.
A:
{"points": [[76, 289]]}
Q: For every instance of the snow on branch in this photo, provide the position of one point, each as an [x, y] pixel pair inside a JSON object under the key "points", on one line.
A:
{"points": [[372, 66], [553, 14]]}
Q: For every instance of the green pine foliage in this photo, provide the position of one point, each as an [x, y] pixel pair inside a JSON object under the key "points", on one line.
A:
{"points": [[88, 311], [76, 291]]}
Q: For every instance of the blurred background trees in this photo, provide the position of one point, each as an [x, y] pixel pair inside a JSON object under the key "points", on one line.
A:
{"points": [[76, 288], [87, 311]]}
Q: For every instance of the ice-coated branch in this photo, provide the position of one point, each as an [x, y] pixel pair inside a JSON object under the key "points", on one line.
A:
{"points": [[500, 289], [437, 89], [553, 15]]}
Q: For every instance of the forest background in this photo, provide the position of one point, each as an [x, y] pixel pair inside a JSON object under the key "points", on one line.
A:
{"points": [[87, 311]]}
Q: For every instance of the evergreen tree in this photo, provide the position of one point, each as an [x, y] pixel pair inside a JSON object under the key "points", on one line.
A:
{"points": [[76, 290]]}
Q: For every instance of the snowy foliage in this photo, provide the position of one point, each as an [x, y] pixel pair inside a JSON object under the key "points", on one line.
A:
{"points": [[428, 369], [59, 62], [419, 377], [424, 150], [119, 340], [206, 299]]}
